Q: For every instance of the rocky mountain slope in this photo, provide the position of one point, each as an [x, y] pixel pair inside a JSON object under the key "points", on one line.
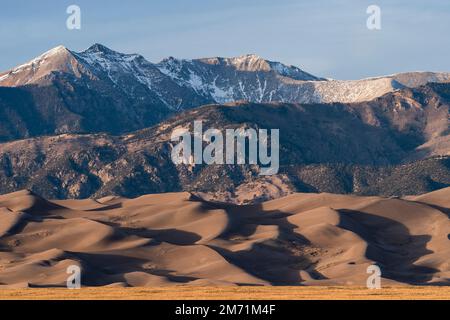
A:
{"points": [[394, 145], [100, 90]]}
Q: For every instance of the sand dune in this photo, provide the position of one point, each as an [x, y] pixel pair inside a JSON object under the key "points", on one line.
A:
{"points": [[178, 238]]}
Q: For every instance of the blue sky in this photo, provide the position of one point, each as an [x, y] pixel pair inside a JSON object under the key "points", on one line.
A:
{"points": [[325, 37]]}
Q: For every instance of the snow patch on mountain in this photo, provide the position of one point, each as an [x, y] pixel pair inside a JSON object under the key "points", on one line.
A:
{"points": [[180, 84], [38, 61]]}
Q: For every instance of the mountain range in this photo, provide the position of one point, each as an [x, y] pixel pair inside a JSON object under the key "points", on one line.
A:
{"points": [[98, 122], [100, 90]]}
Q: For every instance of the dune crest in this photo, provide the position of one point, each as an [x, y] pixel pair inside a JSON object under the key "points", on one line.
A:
{"points": [[178, 238]]}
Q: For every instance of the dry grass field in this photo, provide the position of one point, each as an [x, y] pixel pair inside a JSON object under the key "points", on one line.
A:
{"points": [[231, 293]]}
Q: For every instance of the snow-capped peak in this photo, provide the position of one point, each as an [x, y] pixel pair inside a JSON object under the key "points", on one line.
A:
{"points": [[249, 62], [56, 59], [55, 50], [99, 56], [131, 73], [97, 47], [36, 62], [101, 52], [255, 63], [180, 84]]}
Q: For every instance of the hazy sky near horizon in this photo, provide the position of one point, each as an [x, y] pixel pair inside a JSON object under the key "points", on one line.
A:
{"points": [[328, 38]]}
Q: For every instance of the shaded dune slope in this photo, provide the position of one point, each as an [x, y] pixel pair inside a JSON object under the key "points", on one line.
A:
{"points": [[178, 238]]}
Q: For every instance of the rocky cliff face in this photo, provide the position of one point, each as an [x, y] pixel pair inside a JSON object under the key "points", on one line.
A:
{"points": [[394, 145]]}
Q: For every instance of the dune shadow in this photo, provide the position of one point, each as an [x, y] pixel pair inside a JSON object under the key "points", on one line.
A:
{"points": [[100, 269], [390, 245], [21, 224], [106, 208], [278, 260], [172, 236]]}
